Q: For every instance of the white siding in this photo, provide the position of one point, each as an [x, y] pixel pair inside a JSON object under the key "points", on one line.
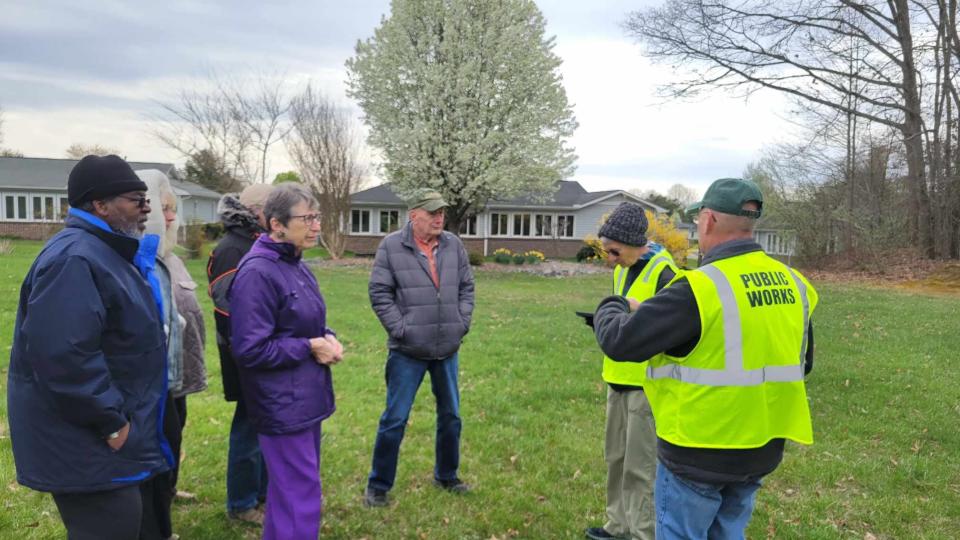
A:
{"points": [[196, 210], [587, 220]]}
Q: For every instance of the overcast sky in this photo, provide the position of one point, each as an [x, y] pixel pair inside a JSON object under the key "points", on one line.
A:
{"points": [[91, 72]]}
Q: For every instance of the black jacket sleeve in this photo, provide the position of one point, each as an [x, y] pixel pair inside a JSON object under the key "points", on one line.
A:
{"points": [[670, 321]]}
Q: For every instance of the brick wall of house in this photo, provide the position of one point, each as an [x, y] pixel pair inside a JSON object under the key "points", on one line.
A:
{"points": [[367, 245], [363, 245], [564, 249], [29, 231]]}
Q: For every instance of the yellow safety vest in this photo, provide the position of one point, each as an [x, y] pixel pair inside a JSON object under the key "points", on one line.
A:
{"points": [[742, 385], [645, 286]]}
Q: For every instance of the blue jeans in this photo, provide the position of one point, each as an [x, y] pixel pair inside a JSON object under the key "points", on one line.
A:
{"points": [[696, 510], [246, 469], [404, 375]]}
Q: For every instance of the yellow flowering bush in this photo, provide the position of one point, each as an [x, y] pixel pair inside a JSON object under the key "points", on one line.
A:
{"points": [[664, 232], [503, 256], [535, 257]]}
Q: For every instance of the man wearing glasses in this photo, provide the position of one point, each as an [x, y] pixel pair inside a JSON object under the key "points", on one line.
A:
{"points": [[727, 346], [421, 289], [641, 268], [87, 373]]}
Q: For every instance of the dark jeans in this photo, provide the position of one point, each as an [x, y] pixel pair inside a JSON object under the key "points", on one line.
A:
{"points": [[246, 469], [404, 375], [102, 514]]}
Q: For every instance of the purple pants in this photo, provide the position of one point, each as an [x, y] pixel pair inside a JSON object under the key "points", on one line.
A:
{"points": [[294, 493]]}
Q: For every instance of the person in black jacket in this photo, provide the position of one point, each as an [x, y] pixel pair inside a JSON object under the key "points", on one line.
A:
{"points": [[88, 372], [246, 472]]}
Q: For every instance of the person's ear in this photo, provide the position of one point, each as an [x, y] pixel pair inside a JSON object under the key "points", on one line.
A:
{"points": [[100, 208], [275, 225]]}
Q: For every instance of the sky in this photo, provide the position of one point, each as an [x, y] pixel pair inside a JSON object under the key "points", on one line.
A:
{"points": [[93, 72]]}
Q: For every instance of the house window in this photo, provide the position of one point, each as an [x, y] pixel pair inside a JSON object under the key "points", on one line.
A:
{"points": [[15, 207], [498, 225], [544, 225], [359, 221], [521, 224], [48, 208], [389, 220], [468, 227], [565, 226]]}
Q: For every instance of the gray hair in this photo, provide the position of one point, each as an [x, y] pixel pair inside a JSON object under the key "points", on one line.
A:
{"points": [[281, 201]]}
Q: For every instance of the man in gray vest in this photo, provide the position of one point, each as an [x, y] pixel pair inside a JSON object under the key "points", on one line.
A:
{"points": [[421, 289]]}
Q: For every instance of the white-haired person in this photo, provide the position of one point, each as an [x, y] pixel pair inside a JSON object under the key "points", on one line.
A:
{"points": [[183, 322]]}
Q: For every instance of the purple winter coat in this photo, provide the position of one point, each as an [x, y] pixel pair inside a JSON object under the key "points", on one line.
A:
{"points": [[275, 308]]}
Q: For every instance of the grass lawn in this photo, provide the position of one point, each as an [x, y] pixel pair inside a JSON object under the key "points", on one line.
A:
{"points": [[884, 393]]}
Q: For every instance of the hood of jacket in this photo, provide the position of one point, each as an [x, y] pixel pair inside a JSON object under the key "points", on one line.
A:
{"points": [[237, 217]]}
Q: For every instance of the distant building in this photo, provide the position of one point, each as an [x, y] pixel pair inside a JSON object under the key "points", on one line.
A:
{"points": [[555, 227], [33, 196], [775, 238]]}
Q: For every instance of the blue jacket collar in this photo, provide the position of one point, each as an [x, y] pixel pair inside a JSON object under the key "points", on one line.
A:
{"points": [[91, 219], [122, 244]]}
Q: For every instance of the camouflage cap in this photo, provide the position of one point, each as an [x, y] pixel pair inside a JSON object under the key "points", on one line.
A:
{"points": [[429, 200]]}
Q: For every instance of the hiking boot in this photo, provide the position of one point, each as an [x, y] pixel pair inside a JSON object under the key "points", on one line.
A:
{"points": [[453, 486], [599, 533], [373, 498], [251, 515]]}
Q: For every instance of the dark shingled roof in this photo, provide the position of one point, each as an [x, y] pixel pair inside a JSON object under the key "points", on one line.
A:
{"points": [[49, 174], [569, 194]]}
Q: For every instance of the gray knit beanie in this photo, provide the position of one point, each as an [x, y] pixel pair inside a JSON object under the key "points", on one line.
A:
{"points": [[627, 225]]}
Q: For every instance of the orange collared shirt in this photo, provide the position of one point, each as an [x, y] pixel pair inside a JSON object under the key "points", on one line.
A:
{"points": [[429, 249]]}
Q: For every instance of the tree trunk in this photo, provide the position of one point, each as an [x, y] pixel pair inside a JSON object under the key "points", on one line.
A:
{"points": [[912, 130]]}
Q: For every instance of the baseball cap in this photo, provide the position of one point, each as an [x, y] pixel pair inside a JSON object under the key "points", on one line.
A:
{"points": [[727, 196], [430, 200]]}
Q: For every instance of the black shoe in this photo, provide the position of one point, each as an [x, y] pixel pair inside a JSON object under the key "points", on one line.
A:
{"points": [[373, 498], [599, 533], [453, 486]]}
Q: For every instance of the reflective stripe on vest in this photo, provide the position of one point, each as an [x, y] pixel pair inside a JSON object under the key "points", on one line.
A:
{"points": [[644, 287], [733, 373]]}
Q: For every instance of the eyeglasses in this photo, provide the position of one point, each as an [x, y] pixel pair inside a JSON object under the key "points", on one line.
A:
{"points": [[141, 200], [696, 218], [308, 219]]}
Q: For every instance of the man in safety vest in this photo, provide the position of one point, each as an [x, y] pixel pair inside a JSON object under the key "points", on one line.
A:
{"points": [[640, 270], [728, 346]]}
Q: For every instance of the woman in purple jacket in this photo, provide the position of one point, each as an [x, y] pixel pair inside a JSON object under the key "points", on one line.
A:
{"points": [[284, 351]]}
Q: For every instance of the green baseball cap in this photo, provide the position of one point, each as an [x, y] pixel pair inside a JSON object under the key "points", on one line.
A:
{"points": [[727, 195], [429, 200]]}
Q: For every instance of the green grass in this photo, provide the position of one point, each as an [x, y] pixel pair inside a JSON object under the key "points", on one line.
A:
{"points": [[884, 397]]}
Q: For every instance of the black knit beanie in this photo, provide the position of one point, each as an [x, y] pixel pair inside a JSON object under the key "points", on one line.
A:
{"points": [[95, 177], [627, 225]]}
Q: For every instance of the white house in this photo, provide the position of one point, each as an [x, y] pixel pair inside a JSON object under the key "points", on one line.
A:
{"points": [[555, 227], [33, 195]]}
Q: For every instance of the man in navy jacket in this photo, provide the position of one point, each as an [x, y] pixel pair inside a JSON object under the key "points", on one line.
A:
{"points": [[88, 373]]}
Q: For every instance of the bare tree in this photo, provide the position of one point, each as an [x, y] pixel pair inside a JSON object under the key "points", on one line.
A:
{"points": [[683, 194], [325, 146], [878, 60], [79, 150], [237, 125]]}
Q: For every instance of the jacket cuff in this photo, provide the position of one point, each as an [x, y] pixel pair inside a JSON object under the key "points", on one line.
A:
{"points": [[329, 332], [112, 425]]}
